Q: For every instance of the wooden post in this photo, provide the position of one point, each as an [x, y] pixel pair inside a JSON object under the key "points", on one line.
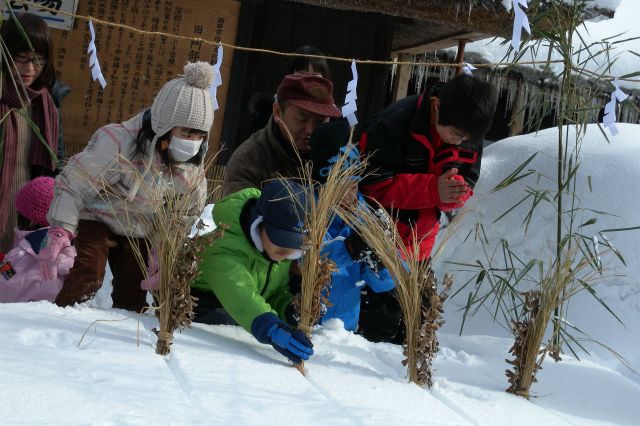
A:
{"points": [[517, 113], [460, 55], [403, 75]]}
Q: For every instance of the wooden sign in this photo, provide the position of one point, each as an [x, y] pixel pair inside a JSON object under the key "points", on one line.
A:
{"points": [[137, 65]]}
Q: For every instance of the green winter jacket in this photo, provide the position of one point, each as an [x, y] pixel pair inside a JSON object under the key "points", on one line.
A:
{"points": [[246, 282]]}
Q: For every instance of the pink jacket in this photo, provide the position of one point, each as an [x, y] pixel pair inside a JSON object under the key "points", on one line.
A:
{"points": [[20, 277]]}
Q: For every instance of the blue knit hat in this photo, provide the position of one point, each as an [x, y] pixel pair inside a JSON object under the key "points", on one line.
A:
{"points": [[282, 206]]}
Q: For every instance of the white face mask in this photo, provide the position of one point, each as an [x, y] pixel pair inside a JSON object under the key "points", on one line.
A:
{"points": [[182, 150]]}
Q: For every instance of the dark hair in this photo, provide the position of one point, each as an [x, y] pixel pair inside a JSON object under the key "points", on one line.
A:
{"points": [[25, 224], [40, 37], [146, 134], [468, 104], [303, 63]]}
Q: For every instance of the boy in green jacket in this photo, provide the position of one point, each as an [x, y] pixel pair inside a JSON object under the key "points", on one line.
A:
{"points": [[244, 275]]}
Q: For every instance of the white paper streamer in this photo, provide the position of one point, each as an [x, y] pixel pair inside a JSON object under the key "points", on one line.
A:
{"points": [[217, 78], [609, 119], [468, 68], [349, 109], [96, 72], [520, 22]]}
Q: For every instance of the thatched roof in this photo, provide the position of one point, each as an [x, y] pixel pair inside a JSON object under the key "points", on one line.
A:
{"points": [[438, 22], [421, 10]]}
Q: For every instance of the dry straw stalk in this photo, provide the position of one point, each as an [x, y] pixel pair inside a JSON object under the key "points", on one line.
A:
{"points": [[323, 203], [166, 221]]}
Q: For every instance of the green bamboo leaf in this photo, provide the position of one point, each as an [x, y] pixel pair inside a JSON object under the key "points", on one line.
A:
{"points": [[512, 207], [630, 75], [633, 228], [615, 251], [600, 212], [589, 222], [466, 312], [593, 293], [514, 176], [624, 40]]}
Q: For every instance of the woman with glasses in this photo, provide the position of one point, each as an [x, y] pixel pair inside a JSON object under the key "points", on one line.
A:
{"points": [[25, 75]]}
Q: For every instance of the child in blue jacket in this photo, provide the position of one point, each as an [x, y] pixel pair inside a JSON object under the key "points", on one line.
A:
{"points": [[359, 270]]}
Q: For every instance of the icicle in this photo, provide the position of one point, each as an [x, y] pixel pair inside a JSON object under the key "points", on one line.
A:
{"points": [[520, 22], [349, 109], [96, 72], [394, 70], [217, 78], [609, 119]]}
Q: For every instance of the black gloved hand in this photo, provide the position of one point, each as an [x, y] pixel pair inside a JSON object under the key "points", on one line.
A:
{"points": [[361, 252], [381, 317]]}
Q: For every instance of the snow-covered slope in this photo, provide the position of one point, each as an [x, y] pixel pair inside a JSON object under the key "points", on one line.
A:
{"points": [[613, 172], [221, 375]]}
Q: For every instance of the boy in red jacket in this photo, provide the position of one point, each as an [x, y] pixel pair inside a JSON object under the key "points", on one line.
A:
{"points": [[424, 154]]}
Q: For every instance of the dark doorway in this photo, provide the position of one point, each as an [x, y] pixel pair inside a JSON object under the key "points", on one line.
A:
{"points": [[283, 26]]}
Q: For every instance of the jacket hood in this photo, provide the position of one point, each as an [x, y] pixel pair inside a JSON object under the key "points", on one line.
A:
{"points": [[227, 211]]}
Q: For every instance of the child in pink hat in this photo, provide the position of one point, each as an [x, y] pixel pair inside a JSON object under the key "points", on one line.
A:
{"points": [[20, 276]]}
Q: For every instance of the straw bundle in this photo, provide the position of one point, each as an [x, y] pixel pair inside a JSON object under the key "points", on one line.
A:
{"points": [[165, 221], [323, 203]]}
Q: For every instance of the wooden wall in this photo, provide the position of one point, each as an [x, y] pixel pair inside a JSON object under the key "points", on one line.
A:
{"points": [[136, 66]]}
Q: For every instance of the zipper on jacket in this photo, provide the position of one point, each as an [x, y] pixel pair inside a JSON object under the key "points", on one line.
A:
{"points": [[266, 281]]}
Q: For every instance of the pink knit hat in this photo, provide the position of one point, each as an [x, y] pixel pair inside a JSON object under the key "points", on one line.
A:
{"points": [[34, 198]]}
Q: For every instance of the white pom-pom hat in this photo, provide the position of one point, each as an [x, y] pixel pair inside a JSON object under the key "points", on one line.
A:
{"points": [[185, 101]]}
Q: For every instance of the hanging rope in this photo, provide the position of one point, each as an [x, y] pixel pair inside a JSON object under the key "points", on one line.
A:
{"points": [[325, 57]]}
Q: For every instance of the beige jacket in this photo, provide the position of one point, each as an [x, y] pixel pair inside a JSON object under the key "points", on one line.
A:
{"points": [[95, 183]]}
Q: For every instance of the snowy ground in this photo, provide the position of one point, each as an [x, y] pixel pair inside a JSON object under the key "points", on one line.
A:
{"points": [[51, 374]]}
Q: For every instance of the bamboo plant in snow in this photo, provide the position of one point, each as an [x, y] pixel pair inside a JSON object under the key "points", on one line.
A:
{"points": [[556, 286], [531, 296]]}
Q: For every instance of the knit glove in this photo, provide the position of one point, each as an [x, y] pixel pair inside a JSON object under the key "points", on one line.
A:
{"points": [[269, 329], [57, 239], [361, 252], [152, 281]]}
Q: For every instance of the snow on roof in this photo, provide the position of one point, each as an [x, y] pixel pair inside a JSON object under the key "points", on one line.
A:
{"points": [[623, 26]]}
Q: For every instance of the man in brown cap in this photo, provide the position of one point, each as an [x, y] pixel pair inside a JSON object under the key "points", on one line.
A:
{"points": [[303, 101]]}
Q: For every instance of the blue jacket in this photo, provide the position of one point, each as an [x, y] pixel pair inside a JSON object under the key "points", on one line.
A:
{"points": [[351, 276]]}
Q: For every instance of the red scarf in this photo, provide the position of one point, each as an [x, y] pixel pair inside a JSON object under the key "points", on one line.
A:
{"points": [[45, 115]]}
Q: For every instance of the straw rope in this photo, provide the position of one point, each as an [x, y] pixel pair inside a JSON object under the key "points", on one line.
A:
{"points": [[307, 55]]}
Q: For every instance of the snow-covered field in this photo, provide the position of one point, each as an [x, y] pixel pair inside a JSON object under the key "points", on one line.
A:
{"points": [[61, 367]]}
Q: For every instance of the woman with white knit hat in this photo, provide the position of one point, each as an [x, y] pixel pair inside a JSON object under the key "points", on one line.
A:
{"points": [[166, 146]]}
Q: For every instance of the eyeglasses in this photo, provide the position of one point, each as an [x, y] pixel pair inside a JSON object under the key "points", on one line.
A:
{"points": [[37, 62]]}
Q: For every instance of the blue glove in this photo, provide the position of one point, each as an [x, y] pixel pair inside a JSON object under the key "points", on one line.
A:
{"points": [[269, 329]]}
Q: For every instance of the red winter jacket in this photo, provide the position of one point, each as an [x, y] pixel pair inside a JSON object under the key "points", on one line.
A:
{"points": [[406, 157]]}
